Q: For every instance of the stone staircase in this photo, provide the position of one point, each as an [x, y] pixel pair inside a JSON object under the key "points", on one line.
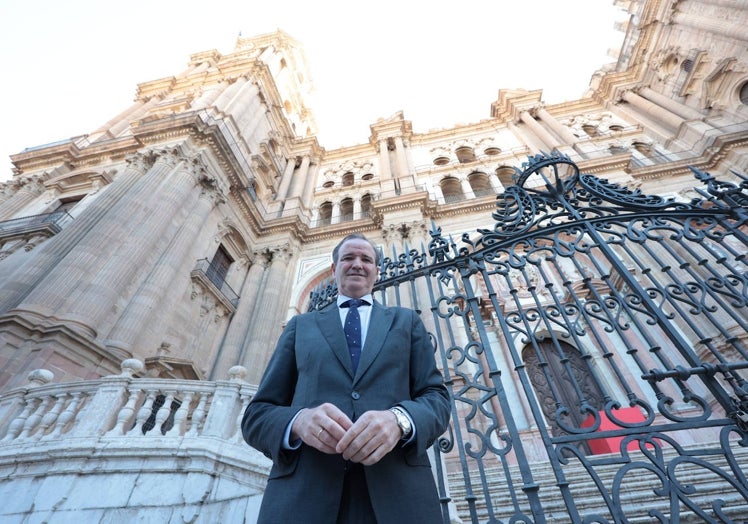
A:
{"points": [[638, 497]]}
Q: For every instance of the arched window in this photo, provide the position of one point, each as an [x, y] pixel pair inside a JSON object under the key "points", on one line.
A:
{"points": [[644, 148], [744, 93], [505, 174], [480, 184], [590, 129], [348, 179], [465, 154], [346, 210], [328, 184], [325, 214], [492, 151], [451, 189], [366, 205]]}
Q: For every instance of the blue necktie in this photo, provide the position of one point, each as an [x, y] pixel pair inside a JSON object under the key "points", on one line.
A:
{"points": [[352, 329]]}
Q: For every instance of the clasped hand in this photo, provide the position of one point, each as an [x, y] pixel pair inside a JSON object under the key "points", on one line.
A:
{"points": [[366, 441]]}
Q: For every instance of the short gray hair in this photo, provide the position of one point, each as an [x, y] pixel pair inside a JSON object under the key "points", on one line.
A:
{"points": [[356, 236]]}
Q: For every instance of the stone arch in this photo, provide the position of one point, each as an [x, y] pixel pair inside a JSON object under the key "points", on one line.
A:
{"points": [[451, 189]]}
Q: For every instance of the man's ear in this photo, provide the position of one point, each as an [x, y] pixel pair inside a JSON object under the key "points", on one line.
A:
{"points": [[332, 270]]}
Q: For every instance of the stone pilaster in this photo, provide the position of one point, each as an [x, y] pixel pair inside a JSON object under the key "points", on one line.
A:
{"points": [[28, 190], [68, 255], [285, 182], [652, 110], [538, 130], [150, 296], [165, 196], [266, 325], [236, 340]]}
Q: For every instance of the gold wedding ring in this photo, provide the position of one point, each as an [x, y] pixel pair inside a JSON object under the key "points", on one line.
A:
{"points": [[320, 432]]}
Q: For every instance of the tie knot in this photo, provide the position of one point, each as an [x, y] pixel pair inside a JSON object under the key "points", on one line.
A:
{"points": [[353, 302]]}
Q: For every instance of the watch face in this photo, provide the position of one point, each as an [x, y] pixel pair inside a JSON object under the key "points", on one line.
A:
{"points": [[403, 421]]}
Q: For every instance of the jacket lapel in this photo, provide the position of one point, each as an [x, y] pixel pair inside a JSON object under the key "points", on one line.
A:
{"points": [[332, 330], [379, 325]]}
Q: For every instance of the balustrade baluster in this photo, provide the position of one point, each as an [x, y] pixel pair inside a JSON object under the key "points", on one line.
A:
{"points": [[145, 412], [50, 416], [70, 411], [163, 412], [125, 415], [197, 416], [180, 416], [32, 422], [237, 436], [17, 425]]}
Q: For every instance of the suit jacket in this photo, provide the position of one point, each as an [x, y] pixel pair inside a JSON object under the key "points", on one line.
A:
{"points": [[310, 366]]}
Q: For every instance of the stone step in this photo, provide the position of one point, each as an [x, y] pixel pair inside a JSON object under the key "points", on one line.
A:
{"points": [[638, 500]]}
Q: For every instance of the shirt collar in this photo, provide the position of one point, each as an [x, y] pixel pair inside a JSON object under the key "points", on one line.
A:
{"points": [[367, 298]]}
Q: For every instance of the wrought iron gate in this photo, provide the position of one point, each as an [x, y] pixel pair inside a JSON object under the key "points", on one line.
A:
{"points": [[595, 343]]}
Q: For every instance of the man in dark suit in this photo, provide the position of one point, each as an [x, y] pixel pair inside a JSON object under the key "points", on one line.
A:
{"points": [[349, 441]]}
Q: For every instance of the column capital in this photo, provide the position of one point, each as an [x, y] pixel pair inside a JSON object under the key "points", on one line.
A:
{"points": [[140, 161], [32, 185], [282, 253]]}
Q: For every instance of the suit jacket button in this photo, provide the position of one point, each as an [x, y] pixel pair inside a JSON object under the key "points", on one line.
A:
{"points": [[355, 395]]}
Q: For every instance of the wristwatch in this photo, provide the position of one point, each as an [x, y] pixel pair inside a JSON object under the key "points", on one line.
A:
{"points": [[403, 421]]}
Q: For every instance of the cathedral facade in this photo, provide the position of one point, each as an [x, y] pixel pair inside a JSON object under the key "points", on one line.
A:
{"points": [[155, 260]]}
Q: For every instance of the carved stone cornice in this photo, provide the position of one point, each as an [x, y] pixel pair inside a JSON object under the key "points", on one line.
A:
{"points": [[419, 199], [391, 127]]}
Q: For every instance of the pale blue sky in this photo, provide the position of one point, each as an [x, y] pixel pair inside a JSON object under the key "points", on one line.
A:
{"points": [[69, 66]]}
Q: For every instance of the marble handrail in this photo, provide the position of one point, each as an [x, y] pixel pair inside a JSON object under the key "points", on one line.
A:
{"points": [[124, 406]]}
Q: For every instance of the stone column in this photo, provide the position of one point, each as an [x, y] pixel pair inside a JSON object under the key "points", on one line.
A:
{"points": [[403, 170], [335, 218], [232, 349], [539, 131], [286, 179], [303, 174], [124, 115], [252, 128], [28, 190], [263, 334], [243, 102], [562, 131], [653, 110], [247, 109], [209, 96], [532, 142], [167, 195], [151, 293], [386, 181], [710, 25], [467, 189], [225, 98], [385, 171], [496, 184], [67, 255], [671, 105], [7, 190], [123, 123], [84, 288]]}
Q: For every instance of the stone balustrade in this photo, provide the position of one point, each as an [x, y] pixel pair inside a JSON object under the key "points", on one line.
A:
{"points": [[170, 450]]}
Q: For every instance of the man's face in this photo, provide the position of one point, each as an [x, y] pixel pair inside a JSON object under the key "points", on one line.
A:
{"points": [[356, 270]]}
